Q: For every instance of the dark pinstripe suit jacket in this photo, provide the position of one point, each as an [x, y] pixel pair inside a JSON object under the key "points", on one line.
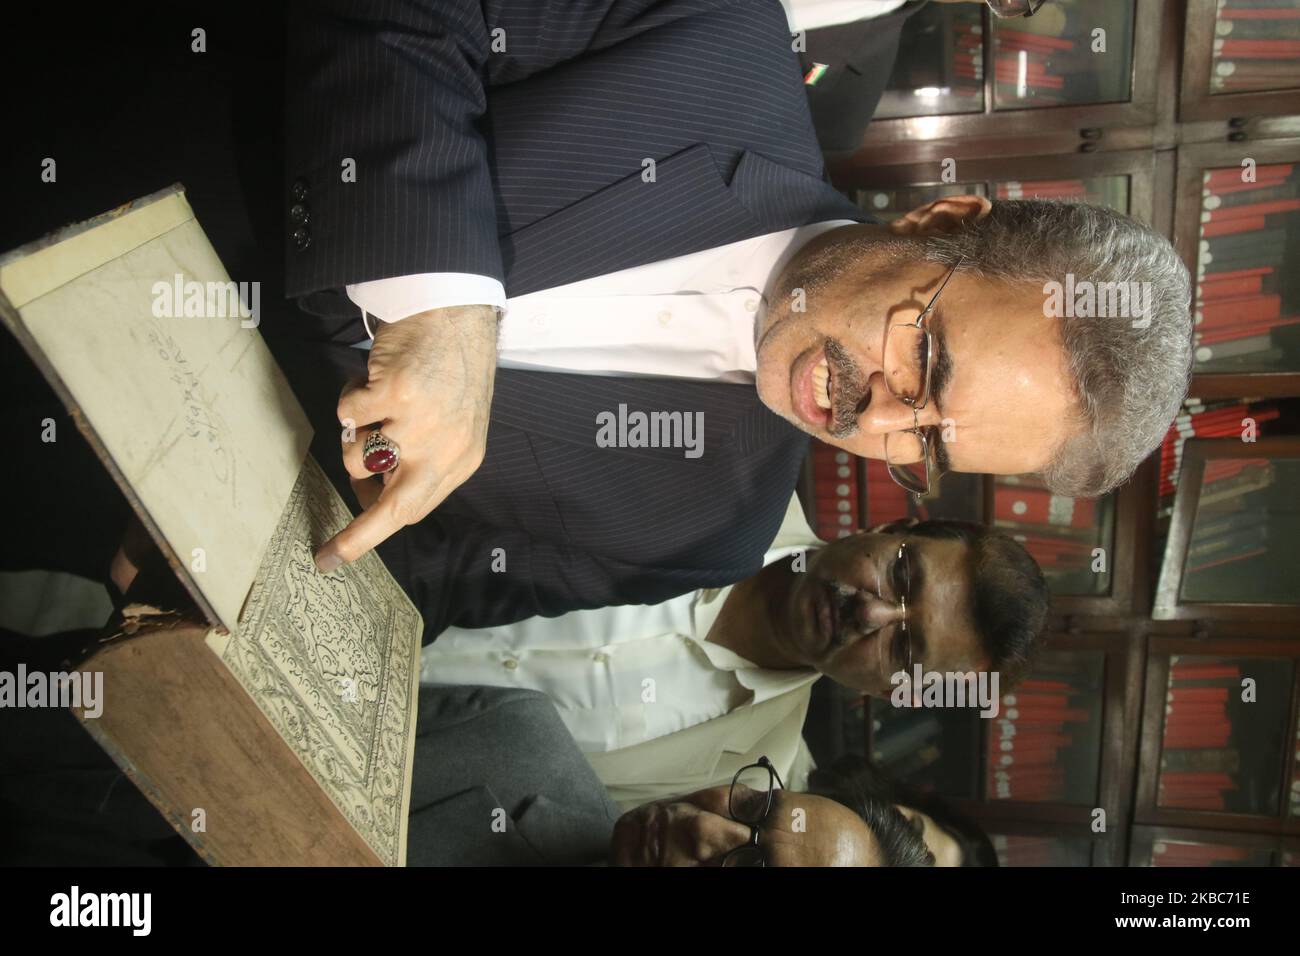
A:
{"points": [[527, 165]]}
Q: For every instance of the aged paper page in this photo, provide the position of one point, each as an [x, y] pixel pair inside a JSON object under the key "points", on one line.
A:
{"points": [[181, 395], [332, 660]]}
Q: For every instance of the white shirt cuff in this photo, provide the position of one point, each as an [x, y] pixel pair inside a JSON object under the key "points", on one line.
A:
{"points": [[392, 300]]}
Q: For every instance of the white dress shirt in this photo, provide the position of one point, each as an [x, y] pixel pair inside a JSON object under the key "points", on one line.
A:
{"points": [[813, 14], [692, 316], [622, 675]]}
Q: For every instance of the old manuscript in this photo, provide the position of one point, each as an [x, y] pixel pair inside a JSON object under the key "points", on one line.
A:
{"points": [[190, 413]]}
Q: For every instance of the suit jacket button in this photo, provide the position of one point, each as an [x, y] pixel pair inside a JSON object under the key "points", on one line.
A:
{"points": [[298, 191], [300, 214], [301, 238]]}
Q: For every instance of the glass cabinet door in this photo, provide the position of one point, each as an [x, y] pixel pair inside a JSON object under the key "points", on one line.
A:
{"points": [[1225, 734], [932, 750], [1245, 546], [959, 70], [1247, 312], [1256, 46], [1045, 744], [1240, 58], [1071, 52], [940, 64], [1070, 538], [1233, 549]]}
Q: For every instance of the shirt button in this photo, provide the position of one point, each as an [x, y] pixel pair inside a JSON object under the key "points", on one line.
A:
{"points": [[664, 317], [510, 664], [601, 658], [751, 305]]}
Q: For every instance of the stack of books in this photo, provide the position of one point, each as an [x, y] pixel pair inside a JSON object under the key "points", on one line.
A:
{"points": [[1180, 853], [1015, 850], [1059, 532], [1198, 761], [1224, 419], [1256, 46], [1031, 740], [1032, 66], [835, 491], [887, 500], [1244, 316], [1071, 189]]}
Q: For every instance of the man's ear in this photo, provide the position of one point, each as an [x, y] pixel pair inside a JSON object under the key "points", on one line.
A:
{"points": [[897, 526], [942, 215]]}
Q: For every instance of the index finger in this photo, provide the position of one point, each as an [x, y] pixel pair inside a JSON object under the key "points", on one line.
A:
{"points": [[402, 502]]}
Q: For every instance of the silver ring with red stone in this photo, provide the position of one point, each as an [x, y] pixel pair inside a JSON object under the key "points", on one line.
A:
{"points": [[380, 453]]}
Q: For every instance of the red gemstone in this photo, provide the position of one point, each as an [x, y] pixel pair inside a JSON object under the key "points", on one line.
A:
{"points": [[380, 460]]}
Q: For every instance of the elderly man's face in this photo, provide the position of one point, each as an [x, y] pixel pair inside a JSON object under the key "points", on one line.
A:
{"points": [[800, 830], [844, 615], [1001, 394]]}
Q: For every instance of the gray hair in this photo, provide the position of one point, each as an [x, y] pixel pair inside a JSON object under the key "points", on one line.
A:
{"points": [[1129, 381]]}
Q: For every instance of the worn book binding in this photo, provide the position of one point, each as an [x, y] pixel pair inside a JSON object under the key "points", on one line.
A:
{"points": [[135, 323]]}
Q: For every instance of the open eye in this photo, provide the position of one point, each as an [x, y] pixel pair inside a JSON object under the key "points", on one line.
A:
{"points": [[900, 574], [923, 353]]}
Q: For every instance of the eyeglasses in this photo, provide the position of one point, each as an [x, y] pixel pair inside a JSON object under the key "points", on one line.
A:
{"points": [[901, 583], [1014, 8], [908, 361], [751, 807]]}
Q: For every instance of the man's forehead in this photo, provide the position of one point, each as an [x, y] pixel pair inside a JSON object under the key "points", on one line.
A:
{"points": [[945, 605]]}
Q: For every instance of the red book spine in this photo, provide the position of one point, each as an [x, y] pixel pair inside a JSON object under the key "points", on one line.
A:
{"points": [[1232, 227], [1251, 210], [1227, 312], [1039, 506], [1232, 175]]}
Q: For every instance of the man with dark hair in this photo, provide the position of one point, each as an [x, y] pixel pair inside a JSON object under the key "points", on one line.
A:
{"points": [[1008, 583], [754, 821], [675, 697], [952, 838]]}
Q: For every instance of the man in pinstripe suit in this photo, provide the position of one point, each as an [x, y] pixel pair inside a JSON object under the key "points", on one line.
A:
{"points": [[637, 187]]}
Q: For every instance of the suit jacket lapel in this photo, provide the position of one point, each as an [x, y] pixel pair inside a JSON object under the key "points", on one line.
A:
{"points": [[688, 207], [780, 198], [684, 209]]}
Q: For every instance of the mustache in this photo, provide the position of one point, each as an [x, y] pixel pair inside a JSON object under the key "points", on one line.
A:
{"points": [[852, 391]]}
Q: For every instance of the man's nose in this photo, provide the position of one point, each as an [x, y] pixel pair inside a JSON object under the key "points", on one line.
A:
{"points": [[874, 612], [715, 836], [886, 412]]}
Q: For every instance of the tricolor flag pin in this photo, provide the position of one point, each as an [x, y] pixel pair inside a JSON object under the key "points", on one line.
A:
{"points": [[816, 73]]}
